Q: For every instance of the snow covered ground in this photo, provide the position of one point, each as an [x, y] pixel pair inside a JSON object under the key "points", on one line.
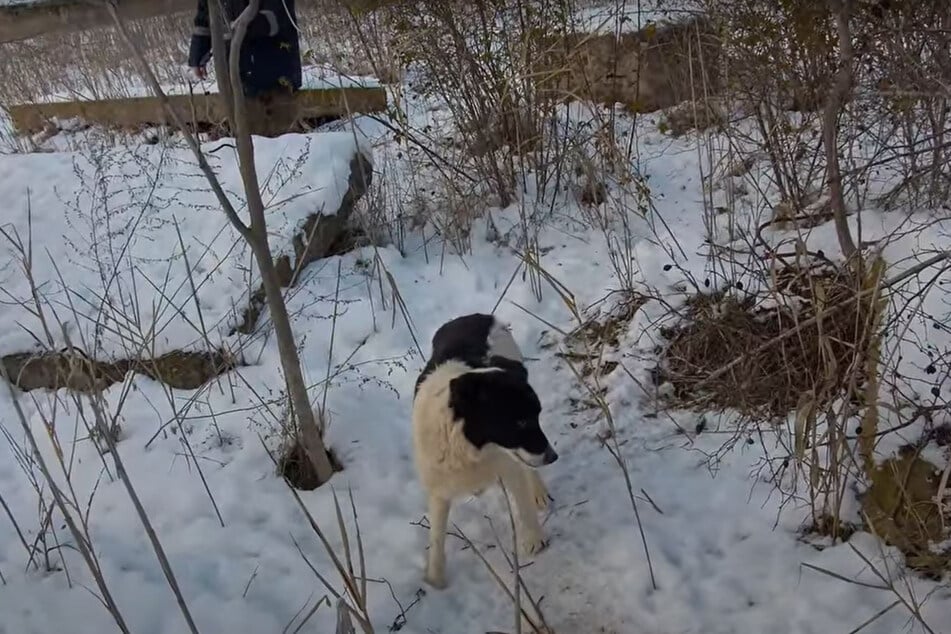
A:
{"points": [[726, 560], [96, 212]]}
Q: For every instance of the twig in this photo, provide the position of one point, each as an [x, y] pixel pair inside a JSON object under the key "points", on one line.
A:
{"points": [[16, 526], [495, 575]]}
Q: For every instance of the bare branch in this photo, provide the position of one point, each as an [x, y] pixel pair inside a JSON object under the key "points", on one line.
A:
{"points": [[190, 138]]}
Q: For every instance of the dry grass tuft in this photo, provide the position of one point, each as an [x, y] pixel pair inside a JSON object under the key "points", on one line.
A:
{"points": [[720, 327]]}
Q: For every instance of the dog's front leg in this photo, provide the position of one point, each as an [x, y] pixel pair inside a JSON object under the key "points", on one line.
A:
{"points": [[531, 538], [539, 490], [436, 560]]}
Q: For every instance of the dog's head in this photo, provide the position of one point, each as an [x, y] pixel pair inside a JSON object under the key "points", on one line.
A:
{"points": [[499, 407]]}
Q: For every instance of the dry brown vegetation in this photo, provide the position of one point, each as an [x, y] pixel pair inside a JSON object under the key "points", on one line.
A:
{"points": [[767, 385]]}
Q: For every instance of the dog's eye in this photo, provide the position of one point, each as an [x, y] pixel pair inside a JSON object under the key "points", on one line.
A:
{"points": [[522, 424]]}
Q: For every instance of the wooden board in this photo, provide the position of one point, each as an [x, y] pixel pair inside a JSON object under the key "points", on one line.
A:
{"points": [[270, 118]]}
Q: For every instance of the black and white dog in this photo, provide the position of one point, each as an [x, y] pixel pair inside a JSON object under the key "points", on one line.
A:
{"points": [[475, 420]]}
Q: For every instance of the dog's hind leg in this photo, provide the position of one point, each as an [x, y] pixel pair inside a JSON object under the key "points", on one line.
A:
{"points": [[531, 538], [539, 490], [436, 560]]}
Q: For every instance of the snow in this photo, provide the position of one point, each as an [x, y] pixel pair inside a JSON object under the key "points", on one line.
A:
{"points": [[628, 17], [727, 554], [90, 213]]}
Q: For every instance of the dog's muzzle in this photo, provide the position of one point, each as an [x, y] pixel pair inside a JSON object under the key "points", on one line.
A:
{"points": [[535, 460]]}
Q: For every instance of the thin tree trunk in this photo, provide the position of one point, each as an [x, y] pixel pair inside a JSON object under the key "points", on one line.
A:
{"points": [[229, 82], [841, 86], [311, 438], [310, 432]]}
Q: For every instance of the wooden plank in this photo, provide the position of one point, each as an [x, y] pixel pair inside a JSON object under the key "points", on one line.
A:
{"points": [[23, 21], [272, 117]]}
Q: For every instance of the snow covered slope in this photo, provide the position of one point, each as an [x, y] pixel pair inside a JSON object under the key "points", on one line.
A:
{"points": [[110, 217]]}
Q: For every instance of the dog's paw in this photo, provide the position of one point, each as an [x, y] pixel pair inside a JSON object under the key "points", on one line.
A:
{"points": [[540, 493], [436, 581], [542, 500], [532, 545]]}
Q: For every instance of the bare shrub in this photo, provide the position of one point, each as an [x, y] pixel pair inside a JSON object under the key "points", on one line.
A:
{"points": [[905, 49], [477, 59], [783, 60], [478, 63], [802, 340]]}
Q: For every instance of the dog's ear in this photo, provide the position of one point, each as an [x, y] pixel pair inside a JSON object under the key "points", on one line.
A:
{"points": [[471, 402], [514, 368]]}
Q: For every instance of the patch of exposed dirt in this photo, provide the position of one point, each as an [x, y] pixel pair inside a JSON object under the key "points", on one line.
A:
{"points": [[74, 370], [901, 507], [297, 469]]}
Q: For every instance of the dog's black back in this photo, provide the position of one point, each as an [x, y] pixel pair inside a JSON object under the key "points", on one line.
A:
{"points": [[466, 339]]}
